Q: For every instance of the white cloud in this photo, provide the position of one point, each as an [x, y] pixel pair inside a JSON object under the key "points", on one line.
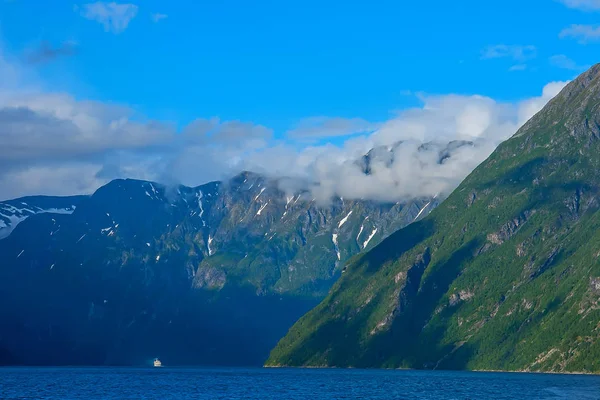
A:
{"points": [[64, 179], [413, 169], [54, 143], [157, 17], [528, 108], [113, 16], [584, 5], [515, 52], [564, 62], [518, 67], [325, 127], [582, 33], [49, 126]]}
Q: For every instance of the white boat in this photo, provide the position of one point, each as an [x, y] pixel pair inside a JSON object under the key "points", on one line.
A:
{"points": [[157, 363]]}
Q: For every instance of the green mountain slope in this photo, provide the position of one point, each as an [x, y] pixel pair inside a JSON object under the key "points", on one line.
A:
{"points": [[504, 274]]}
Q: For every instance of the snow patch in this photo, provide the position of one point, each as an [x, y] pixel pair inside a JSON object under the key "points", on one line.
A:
{"points": [[343, 221], [16, 210], [369, 238], [258, 195], [19, 215], [262, 208], [360, 231], [210, 251], [199, 196], [334, 239], [13, 221], [421, 211], [65, 211]]}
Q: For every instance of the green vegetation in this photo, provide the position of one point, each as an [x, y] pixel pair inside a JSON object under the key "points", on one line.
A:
{"points": [[504, 274]]}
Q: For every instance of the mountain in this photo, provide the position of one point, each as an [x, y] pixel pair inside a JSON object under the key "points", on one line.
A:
{"points": [[503, 275], [214, 274], [13, 212]]}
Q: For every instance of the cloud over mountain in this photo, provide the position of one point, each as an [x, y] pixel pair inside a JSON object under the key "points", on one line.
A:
{"points": [[415, 170], [54, 143]]}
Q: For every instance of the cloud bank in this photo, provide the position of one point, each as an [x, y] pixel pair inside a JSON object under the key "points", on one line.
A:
{"points": [[584, 5], [516, 52], [415, 170], [54, 143], [584, 34], [113, 16], [564, 62]]}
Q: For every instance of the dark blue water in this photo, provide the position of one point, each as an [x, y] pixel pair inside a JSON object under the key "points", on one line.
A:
{"points": [[305, 384]]}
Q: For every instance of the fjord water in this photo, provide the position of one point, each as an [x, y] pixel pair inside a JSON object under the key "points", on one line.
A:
{"points": [[315, 384]]}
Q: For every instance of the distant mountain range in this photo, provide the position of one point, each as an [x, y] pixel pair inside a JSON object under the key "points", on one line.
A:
{"points": [[13, 212], [214, 274], [503, 275]]}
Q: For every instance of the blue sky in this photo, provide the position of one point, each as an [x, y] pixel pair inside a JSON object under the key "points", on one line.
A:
{"points": [[284, 65], [277, 62]]}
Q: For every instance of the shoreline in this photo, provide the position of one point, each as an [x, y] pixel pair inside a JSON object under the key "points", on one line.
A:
{"points": [[439, 370], [306, 367]]}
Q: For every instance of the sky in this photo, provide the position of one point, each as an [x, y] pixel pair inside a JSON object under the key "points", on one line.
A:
{"points": [[188, 92]]}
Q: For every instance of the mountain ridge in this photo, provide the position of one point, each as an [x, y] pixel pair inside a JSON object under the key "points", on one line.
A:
{"points": [[503, 275], [208, 275]]}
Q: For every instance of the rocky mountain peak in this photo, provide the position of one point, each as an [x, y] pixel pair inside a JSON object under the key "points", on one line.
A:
{"points": [[574, 111]]}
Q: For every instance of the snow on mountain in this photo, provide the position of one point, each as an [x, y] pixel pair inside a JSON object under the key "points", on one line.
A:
{"points": [[13, 212]]}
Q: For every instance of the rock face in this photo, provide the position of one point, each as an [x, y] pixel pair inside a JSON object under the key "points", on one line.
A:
{"points": [[511, 279], [209, 275]]}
